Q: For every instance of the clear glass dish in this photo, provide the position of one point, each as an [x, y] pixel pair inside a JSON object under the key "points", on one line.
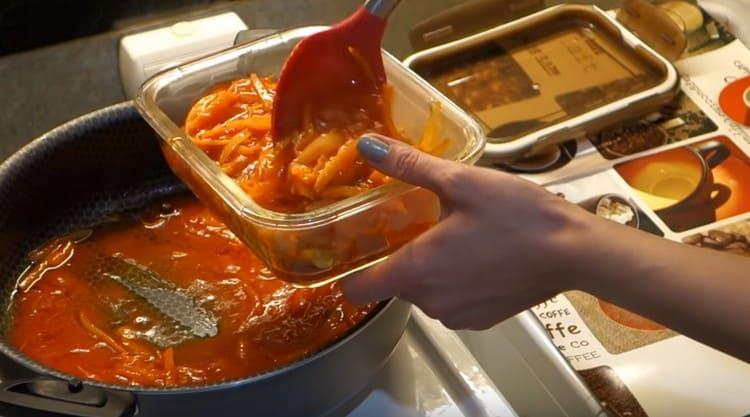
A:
{"points": [[316, 247]]}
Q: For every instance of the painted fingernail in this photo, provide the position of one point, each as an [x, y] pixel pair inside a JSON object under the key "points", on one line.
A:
{"points": [[372, 149]]}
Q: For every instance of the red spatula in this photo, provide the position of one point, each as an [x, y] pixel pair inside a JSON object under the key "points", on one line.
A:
{"points": [[333, 69]]}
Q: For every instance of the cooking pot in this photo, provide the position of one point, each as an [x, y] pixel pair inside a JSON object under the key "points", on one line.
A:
{"points": [[106, 162]]}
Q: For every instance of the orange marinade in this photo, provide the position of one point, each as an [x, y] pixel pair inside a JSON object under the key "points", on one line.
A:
{"points": [[98, 329]]}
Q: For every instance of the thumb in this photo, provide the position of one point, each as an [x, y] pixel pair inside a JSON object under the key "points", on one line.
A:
{"points": [[406, 163]]}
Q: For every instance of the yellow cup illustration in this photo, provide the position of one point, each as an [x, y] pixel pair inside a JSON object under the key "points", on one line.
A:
{"points": [[669, 179]]}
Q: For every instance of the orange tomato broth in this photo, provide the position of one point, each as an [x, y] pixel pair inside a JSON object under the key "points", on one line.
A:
{"points": [[98, 329], [314, 167]]}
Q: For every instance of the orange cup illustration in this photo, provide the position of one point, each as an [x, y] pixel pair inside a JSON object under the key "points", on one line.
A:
{"points": [[678, 184]]}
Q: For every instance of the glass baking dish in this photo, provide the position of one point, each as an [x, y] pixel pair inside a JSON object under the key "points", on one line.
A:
{"points": [[313, 248], [555, 75]]}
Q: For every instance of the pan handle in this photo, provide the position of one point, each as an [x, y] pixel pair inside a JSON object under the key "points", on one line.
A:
{"points": [[56, 397]]}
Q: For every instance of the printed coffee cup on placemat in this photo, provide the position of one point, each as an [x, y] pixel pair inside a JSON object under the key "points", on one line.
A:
{"points": [[680, 177]]}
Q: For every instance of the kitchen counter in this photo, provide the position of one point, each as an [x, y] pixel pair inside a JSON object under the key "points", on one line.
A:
{"points": [[46, 87]]}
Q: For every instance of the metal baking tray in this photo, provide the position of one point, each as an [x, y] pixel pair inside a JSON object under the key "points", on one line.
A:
{"points": [[558, 74]]}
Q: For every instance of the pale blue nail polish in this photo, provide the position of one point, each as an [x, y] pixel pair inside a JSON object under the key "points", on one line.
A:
{"points": [[372, 149]]}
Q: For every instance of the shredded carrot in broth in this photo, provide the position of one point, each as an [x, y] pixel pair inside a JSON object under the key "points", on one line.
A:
{"points": [[99, 333], [318, 164], [169, 365], [92, 326]]}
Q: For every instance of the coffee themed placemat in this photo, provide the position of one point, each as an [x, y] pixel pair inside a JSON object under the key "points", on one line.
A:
{"points": [[734, 238], [683, 174], [617, 329], [680, 121], [692, 186]]}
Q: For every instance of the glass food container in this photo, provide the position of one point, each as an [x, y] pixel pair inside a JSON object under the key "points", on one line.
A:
{"points": [[316, 247], [555, 75]]}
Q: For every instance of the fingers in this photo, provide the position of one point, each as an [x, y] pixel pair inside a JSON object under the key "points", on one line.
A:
{"points": [[406, 163], [480, 317], [483, 315], [388, 279], [374, 284], [405, 271]]}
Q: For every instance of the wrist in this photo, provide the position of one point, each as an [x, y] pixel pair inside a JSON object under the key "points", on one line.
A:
{"points": [[589, 250]]}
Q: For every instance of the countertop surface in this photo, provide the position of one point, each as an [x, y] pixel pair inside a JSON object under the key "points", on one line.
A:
{"points": [[46, 87]]}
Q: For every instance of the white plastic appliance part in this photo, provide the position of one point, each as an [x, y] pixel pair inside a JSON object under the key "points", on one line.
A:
{"points": [[144, 54], [533, 376]]}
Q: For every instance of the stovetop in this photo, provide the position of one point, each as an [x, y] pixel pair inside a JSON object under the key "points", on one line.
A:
{"points": [[431, 373]]}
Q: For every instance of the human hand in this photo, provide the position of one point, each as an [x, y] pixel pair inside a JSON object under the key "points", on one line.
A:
{"points": [[502, 246], [505, 244]]}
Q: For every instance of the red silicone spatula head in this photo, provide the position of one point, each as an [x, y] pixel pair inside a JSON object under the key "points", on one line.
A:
{"points": [[333, 68]]}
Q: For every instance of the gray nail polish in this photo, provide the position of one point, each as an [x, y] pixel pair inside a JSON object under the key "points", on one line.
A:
{"points": [[372, 149]]}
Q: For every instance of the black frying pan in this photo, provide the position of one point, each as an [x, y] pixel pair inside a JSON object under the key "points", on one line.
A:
{"points": [[109, 162]]}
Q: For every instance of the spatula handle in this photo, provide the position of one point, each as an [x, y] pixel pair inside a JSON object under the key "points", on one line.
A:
{"points": [[381, 8]]}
